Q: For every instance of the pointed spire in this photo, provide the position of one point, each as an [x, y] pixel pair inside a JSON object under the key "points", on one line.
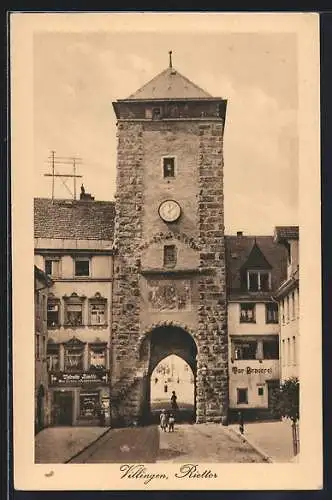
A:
{"points": [[170, 59]]}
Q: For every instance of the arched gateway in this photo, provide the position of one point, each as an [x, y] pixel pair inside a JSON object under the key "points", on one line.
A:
{"points": [[169, 290], [158, 345]]}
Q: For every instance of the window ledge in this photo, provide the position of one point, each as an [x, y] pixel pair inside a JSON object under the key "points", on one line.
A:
{"points": [[247, 321], [104, 325]]}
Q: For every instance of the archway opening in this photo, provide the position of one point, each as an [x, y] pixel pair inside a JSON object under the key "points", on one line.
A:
{"points": [[170, 348], [173, 375]]}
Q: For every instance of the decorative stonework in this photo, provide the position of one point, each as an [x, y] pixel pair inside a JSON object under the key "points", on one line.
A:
{"points": [[169, 295], [161, 237]]}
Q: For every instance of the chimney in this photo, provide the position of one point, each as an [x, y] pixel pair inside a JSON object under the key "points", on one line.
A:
{"points": [[239, 234], [84, 195]]}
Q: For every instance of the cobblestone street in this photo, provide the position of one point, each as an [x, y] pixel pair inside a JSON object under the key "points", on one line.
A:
{"points": [[189, 443]]}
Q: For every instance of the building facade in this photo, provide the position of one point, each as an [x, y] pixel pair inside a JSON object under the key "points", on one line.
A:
{"points": [[153, 274], [169, 293], [288, 295], [42, 285], [73, 245], [255, 268]]}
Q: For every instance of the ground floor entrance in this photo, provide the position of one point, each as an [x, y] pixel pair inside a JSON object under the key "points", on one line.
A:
{"points": [[62, 408], [80, 406]]}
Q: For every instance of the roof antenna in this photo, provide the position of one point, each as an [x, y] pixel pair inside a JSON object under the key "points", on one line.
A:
{"points": [[170, 59]]}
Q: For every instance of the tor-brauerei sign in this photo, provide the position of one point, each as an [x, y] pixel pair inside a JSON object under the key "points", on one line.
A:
{"points": [[248, 370]]}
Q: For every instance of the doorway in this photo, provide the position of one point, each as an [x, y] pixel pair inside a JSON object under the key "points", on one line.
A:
{"points": [[63, 408]]}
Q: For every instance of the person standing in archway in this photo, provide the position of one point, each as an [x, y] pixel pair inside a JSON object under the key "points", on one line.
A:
{"points": [[174, 404]]}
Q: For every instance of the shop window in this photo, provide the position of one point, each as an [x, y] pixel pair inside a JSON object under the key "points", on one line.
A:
{"points": [[73, 310], [169, 167], [89, 402], [52, 267], [247, 313], [82, 266], [260, 391], [242, 396], [259, 281], [73, 356], [53, 359], [245, 349], [53, 313], [97, 356], [271, 312], [271, 348], [170, 254]]}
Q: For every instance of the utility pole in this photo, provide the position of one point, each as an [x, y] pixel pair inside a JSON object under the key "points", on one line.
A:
{"points": [[66, 160]]}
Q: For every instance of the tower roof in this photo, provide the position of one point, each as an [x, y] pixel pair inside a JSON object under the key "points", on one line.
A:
{"points": [[169, 84]]}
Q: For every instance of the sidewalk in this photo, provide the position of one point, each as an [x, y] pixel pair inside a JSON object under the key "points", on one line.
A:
{"points": [[59, 444], [274, 439]]}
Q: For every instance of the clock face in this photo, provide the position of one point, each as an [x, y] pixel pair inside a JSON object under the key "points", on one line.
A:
{"points": [[169, 211]]}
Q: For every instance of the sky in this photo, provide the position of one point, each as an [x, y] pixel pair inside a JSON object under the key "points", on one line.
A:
{"points": [[77, 76]]}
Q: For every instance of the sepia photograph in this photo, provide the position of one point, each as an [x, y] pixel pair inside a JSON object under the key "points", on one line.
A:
{"points": [[166, 207]]}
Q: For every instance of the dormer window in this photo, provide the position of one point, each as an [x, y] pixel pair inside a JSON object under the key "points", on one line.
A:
{"points": [[258, 281]]}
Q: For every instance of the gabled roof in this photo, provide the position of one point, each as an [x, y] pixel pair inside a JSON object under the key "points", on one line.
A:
{"points": [[68, 219], [238, 250], [256, 259], [169, 84], [286, 233]]}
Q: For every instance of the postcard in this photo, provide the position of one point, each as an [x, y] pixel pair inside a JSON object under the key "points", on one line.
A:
{"points": [[166, 251]]}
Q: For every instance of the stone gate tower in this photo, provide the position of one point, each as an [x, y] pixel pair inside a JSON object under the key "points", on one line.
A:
{"points": [[169, 277]]}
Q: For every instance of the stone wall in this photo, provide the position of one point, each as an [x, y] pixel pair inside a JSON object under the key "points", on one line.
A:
{"points": [[212, 392], [198, 187], [128, 234]]}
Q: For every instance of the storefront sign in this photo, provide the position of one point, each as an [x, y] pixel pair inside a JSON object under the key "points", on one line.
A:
{"points": [[250, 371], [78, 378]]}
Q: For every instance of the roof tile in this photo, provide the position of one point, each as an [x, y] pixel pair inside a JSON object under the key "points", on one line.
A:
{"points": [[169, 84], [68, 219], [238, 249]]}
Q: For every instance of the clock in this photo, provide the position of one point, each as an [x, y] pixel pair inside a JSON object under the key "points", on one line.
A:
{"points": [[169, 210]]}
